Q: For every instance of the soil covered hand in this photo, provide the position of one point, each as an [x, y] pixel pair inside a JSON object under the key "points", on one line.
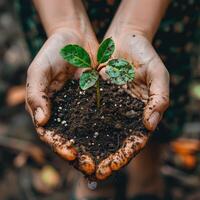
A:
{"points": [[151, 85], [47, 73], [151, 82]]}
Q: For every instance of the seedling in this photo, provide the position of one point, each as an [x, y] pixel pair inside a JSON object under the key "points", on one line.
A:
{"points": [[119, 71]]}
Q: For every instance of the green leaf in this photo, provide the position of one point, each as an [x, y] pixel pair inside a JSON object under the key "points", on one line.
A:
{"points": [[76, 55], [88, 79], [120, 71], [105, 50]]}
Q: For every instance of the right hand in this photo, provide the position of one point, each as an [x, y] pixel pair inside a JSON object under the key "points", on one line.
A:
{"points": [[47, 73]]}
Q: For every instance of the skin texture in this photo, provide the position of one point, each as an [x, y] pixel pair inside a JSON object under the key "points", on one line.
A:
{"points": [[87, 164], [153, 91], [104, 169], [67, 23], [131, 146], [48, 71], [59, 144], [47, 74], [142, 16]]}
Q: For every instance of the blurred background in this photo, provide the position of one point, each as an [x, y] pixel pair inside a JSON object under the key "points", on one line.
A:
{"points": [[30, 170]]}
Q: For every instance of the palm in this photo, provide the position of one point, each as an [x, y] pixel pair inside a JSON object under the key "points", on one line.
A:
{"points": [[140, 58], [151, 83], [55, 69], [146, 86], [48, 72]]}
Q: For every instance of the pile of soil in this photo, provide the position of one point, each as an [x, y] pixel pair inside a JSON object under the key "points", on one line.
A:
{"points": [[102, 131]]}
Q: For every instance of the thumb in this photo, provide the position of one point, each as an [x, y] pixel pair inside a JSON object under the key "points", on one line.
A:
{"points": [[37, 100], [158, 102]]}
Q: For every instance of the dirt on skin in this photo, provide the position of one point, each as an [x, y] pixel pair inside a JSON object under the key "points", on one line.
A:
{"points": [[99, 132]]}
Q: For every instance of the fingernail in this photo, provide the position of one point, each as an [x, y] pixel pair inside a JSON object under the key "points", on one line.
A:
{"points": [[154, 119], [39, 115]]}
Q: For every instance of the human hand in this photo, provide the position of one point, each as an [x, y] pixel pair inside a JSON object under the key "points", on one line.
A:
{"points": [[151, 85], [47, 73], [151, 82]]}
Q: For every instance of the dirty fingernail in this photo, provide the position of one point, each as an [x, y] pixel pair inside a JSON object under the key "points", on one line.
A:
{"points": [[154, 119], [39, 115]]}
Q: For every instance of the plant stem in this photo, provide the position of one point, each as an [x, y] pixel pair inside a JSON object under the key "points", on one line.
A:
{"points": [[98, 94]]}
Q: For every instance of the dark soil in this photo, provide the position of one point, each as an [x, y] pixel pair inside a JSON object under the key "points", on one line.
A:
{"points": [[98, 132]]}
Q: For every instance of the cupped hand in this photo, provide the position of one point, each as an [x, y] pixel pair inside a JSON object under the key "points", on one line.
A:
{"points": [[151, 82], [151, 85], [47, 73]]}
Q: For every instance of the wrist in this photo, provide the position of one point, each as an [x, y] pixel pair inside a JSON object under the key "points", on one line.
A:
{"points": [[72, 32], [148, 34], [141, 16], [60, 28], [80, 28], [126, 30], [56, 15]]}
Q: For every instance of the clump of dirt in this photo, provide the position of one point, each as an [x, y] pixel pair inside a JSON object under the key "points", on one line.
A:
{"points": [[102, 131]]}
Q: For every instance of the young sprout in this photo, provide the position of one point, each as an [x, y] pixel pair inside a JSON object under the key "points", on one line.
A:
{"points": [[118, 70]]}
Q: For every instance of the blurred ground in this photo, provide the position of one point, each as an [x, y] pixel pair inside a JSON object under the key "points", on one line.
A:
{"points": [[30, 170]]}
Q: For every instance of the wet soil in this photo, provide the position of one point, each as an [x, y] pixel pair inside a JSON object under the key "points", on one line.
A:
{"points": [[98, 132]]}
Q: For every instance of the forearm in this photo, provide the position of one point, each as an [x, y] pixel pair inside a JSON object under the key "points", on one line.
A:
{"points": [[62, 14], [142, 16]]}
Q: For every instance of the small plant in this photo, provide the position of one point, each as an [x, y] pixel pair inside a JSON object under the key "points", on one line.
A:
{"points": [[119, 70]]}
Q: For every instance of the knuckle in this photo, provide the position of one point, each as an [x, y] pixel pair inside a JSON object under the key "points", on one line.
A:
{"points": [[159, 102], [30, 99], [167, 103]]}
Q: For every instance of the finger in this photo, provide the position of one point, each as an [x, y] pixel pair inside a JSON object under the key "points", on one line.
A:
{"points": [[103, 169], [68, 153], [86, 164], [119, 160], [131, 146], [65, 149], [158, 83], [37, 100], [60, 145]]}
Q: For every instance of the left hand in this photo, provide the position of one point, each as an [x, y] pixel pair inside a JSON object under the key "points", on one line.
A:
{"points": [[151, 85], [151, 82]]}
